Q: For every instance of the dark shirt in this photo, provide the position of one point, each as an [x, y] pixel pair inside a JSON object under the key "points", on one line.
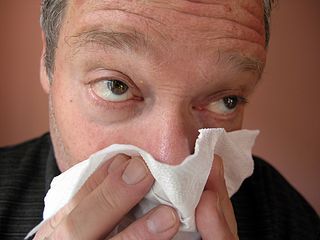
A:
{"points": [[266, 206]]}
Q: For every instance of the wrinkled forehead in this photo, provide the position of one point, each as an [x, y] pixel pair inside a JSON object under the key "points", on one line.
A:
{"points": [[253, 6], [230, 22]]}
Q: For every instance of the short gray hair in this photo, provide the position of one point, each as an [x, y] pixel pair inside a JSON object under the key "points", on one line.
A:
{"points": [[52, 12]]}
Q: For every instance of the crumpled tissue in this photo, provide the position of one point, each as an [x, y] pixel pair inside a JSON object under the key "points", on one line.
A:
{"points": [[179, 186]]}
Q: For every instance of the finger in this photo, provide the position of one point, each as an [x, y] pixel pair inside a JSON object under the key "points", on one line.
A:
{"points": [[97, 177], [93, 181], [160, 223], [98, 213], [211, 222], [216, 183]]}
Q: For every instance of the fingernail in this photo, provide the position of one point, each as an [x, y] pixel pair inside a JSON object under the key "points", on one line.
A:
{"points": [[135, 172], [161, 220], [117, 161]]}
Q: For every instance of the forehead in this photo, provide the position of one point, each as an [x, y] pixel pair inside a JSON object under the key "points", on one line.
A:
{"points": [[216, 24]]}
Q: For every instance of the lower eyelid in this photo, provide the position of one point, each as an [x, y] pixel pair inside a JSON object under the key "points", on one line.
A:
{"points": [[108, 105], [222, 117], [226, 116]]}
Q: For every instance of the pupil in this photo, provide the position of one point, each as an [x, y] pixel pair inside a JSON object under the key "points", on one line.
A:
{"points": [[230, 102], [117, 87]]}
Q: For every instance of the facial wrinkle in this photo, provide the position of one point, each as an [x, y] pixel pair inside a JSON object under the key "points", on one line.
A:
{"points": [[237, 21], [57, 139], [255, 8], [131, 22], [234, 12], [212, 34], [125, 6], [247, 13]]}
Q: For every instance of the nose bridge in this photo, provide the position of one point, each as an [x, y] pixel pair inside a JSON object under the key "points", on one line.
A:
{"points": [[172, 131]]}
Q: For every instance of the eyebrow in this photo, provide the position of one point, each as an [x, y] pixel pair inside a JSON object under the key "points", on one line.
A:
{"points": [[241, 63], [126, 40], [134, 40]]}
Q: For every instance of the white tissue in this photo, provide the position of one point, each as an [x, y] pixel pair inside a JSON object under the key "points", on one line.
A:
{"points": [[179, 186]]}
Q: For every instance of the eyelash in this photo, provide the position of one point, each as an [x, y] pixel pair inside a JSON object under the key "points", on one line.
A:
{"points": [[241, 100], [98, 101]]}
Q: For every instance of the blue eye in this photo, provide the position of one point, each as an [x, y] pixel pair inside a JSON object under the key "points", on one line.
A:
{"points": [[112, 90], [226, 105]]}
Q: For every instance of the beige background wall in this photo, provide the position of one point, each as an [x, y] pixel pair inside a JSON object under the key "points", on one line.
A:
{"points": [[285, 106]]}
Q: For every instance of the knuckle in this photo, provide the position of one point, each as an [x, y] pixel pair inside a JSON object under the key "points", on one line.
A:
{"points": [[127, 236], [130, 236], [91, 184], [54, 221], [96, 178], [67, 230], [107, 198], [134, 233]]}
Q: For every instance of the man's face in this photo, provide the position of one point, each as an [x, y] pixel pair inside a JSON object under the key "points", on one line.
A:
{"points": [[151, 73]]}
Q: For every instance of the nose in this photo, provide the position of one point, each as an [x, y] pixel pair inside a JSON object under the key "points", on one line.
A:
{"points": [[169, 134]]}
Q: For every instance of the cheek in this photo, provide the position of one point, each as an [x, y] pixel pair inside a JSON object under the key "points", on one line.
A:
{"points": [[79, 134], [234, 124], [82, 129], [229, 124]]}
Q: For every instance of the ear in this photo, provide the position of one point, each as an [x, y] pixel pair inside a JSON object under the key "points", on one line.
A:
{"points": [[44, 79]]}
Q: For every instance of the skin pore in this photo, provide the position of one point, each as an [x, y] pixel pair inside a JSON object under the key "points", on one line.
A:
{"points": [[151, 73]]}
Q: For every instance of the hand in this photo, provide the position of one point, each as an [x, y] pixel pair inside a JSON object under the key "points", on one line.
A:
{"points": [[106, 197], [214, 214]]}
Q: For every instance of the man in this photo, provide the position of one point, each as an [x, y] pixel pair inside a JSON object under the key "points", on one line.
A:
{"points": [[150, 74]]}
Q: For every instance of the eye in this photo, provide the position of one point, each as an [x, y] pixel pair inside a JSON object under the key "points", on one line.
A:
{"points": [[112, 90], [226, 105]]}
